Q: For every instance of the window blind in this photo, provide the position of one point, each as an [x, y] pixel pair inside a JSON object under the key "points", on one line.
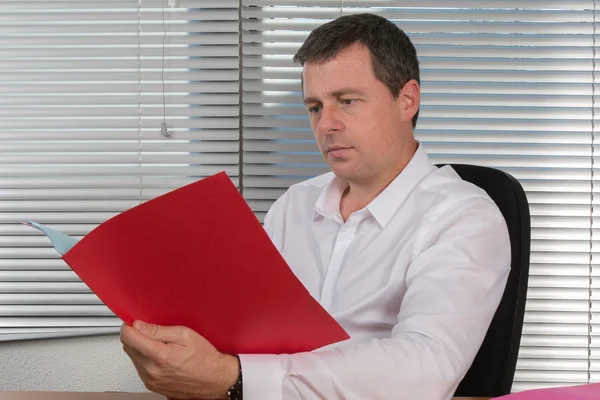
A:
{"points": [[507, 84], [82, 85]]}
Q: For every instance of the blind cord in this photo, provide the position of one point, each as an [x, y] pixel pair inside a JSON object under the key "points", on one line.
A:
{"points": [[592, 175], [163, 126], [139, 66]]}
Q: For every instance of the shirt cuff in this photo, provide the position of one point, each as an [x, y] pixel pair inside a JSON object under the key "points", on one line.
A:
{"points": [[262, 376]]}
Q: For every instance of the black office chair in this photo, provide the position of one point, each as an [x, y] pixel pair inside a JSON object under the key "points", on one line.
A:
{"points": [[493, 369]]}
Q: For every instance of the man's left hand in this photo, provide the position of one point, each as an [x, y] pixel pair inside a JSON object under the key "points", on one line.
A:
{"points": [[179, 363]]}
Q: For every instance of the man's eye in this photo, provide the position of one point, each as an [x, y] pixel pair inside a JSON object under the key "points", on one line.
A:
{"points": [[347, 102], [314, 109]]}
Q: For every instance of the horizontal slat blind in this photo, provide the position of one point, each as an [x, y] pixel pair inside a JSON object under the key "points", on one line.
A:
{"points": [[506, 84], [81, 103]]}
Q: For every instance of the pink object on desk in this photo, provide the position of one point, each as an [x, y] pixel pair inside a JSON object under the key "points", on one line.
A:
{"points": [[581, 392]]}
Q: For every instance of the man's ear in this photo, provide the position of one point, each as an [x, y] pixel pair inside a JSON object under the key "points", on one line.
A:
{"points": [[409, 100]]}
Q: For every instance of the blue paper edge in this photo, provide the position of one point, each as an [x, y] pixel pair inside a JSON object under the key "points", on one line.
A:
{"points": [[62, 242]]}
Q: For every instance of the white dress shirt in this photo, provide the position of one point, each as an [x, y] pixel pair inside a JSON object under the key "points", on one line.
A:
{"points": [[415, 279]]}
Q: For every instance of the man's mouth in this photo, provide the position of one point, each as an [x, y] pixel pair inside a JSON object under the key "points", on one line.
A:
{"points": [[337, 151]]}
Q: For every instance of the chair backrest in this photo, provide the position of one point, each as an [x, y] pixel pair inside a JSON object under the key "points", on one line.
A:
{"points": [[493, 369]]}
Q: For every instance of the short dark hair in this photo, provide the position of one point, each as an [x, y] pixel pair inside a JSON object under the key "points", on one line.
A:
{"points": [[393, 55]]}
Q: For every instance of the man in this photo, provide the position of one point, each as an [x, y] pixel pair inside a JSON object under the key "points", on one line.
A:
{"points": [[410, 260]]}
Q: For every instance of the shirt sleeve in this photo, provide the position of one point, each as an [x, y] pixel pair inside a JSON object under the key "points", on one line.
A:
{"points": [[454, 284]]}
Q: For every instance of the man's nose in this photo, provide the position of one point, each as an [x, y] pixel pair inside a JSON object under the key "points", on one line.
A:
{"points": [[330, 120]]}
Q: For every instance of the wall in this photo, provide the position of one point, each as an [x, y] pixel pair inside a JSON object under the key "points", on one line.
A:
{"points": [[93, 364]]}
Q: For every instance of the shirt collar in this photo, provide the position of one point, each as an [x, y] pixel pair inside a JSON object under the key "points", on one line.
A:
{"points": [[328, 203], [385, 205]]}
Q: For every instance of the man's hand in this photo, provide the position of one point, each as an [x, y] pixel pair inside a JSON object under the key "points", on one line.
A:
{"points": [[179, 363]]}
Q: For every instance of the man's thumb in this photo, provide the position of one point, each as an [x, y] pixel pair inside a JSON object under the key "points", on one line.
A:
{"points": [[167, 334], [141, 327]]}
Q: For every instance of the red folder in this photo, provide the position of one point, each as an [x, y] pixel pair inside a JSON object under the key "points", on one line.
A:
{"points": [[198, 257]]}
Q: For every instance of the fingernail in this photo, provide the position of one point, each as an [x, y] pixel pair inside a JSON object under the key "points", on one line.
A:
{"points": [[139, 325]]}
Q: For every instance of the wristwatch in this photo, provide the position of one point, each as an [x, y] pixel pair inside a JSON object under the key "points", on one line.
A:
{"points": [[236, 391]]}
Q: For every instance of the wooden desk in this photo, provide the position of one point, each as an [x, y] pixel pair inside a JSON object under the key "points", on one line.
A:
{"points": [[108, 396]]}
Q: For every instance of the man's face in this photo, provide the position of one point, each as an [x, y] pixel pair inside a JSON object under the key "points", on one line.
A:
{"points": [[361, 130]]}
